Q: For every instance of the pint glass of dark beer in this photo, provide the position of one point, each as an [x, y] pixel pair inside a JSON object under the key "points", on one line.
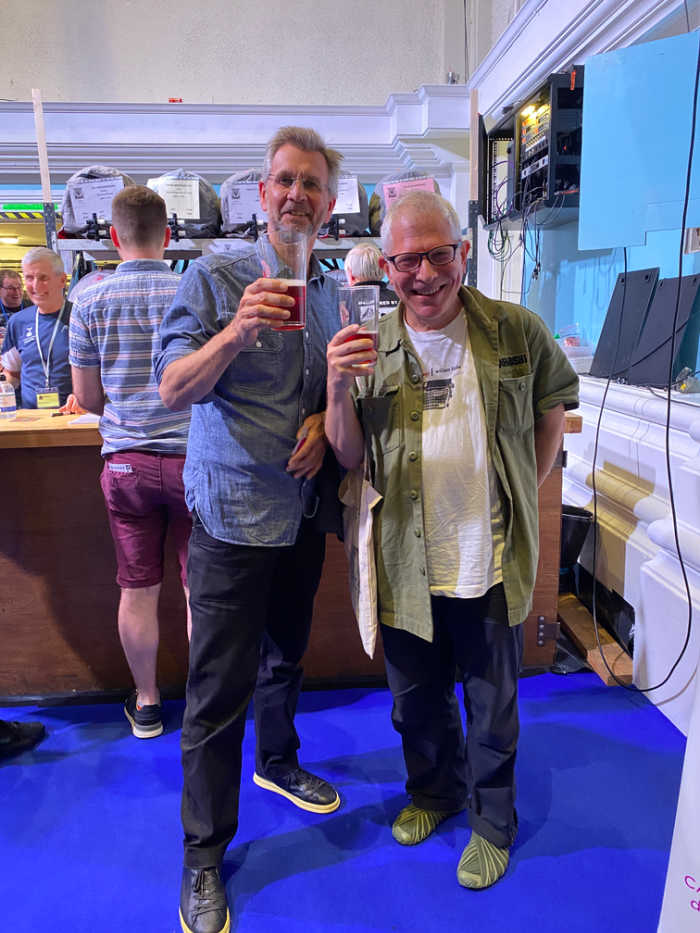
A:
{"points": [[284, 256]]}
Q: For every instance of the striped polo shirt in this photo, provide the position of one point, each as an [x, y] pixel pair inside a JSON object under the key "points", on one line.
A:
{"points": [[115, 325]]}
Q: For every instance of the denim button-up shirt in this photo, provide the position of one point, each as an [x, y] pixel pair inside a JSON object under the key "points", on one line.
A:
{"points": [[242, 433]]}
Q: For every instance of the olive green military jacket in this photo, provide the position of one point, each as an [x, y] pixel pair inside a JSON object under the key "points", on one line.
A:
{"points": [[522, 373]]}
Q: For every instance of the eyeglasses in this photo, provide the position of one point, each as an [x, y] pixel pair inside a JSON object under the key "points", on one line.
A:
{"points": [[287, 181], [437, 256], [11, 288]]}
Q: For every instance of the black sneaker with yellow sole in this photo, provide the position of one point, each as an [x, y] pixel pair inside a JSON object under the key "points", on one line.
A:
{"points": [[203, 907], [303, 789]]}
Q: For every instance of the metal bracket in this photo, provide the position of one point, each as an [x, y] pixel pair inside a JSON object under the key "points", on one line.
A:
{"points": [[546, 631]]}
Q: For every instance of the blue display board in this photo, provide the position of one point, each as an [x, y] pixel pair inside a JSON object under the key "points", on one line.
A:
{"points": [[637, 116]]}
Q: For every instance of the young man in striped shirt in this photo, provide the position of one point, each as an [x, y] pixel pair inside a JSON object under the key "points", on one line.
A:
{"points": [[114, 336]]}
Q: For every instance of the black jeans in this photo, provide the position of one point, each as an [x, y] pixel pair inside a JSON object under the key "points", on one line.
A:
{"points": [[444, 772], [251, 618]]}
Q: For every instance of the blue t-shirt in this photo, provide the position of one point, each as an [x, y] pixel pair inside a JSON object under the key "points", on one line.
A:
{"points": [[21, 337]]}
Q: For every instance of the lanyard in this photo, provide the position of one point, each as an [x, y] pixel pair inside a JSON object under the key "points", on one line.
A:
{"points": [[46, 366], [5, 315]]}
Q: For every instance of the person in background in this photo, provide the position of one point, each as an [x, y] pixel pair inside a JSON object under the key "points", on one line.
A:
{"points": [[256, 450], [17, 737], [114, 337], [34, 353], [362, 267], [462, 419], [11, 299]]}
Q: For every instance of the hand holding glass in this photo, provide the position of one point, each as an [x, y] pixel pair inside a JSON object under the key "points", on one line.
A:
{"points": [[284, 256], [360, 305]]}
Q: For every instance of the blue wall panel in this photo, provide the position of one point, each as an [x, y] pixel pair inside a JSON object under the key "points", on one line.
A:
{"points": [[637, 111]]}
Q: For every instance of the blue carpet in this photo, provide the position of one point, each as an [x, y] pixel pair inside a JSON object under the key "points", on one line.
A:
{"points": [[90, 838]]}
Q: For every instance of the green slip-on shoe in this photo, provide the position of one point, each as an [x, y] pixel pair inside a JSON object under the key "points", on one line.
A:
{"points": [[482, 863], [414, 824]]}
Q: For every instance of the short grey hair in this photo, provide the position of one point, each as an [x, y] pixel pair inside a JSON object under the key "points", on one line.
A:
{"points": [[307, 140], [421, 204], [39, 253], [363, 262]]}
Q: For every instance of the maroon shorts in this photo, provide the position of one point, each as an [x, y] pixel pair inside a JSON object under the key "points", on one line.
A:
{"points": [[145, 497]]}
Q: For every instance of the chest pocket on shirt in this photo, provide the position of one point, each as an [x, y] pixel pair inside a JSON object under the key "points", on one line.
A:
{"points": [[382, 416], [257, 370], [515, 412]]}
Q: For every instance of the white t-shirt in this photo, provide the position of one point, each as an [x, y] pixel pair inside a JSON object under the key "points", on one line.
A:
{"points": [[461, 506]]}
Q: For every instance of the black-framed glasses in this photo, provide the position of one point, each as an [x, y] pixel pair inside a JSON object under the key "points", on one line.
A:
{"points": [[309, 183], [437, 256]]}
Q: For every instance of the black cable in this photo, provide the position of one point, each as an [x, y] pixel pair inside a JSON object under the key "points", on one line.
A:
{"points": [[687, 16], [678, 401], [674, 517]]}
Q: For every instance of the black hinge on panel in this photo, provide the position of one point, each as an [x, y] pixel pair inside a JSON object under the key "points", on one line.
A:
{"points": [[474, 240], [546, 631]]}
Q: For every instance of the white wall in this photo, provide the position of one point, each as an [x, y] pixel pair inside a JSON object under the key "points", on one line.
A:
{"points": [[485, 23], [228, 51]]}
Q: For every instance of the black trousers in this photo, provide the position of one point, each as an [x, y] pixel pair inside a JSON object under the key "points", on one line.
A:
{"points": [[251, 618], [444, 771]]}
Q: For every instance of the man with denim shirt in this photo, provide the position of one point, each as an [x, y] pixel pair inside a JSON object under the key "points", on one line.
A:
{"points": [[255, 559], [461, 410]]}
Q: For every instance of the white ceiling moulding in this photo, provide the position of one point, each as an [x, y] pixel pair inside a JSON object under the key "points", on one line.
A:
{"points": [[426, 129], [547, 36]]}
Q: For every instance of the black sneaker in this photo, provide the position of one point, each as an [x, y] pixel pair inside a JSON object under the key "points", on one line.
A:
{"points": [[16, 737], [304, 789], [146, 722], [203, 907]]}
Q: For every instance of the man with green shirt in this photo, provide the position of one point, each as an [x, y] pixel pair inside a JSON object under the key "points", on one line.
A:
{"points": [[461, 413]]}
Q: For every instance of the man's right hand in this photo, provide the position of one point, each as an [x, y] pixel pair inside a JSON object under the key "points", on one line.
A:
{"points": [[349, 356], [264, 303]]}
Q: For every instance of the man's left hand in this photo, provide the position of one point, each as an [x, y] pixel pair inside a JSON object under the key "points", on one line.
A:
{"points": [[72, 407], [310, 450]]}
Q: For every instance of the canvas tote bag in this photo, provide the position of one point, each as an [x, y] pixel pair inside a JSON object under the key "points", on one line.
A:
{"points": [[359, 498]]}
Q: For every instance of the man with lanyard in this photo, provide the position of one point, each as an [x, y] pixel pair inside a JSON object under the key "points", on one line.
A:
{"points": [[34, 353], [256, 550]]}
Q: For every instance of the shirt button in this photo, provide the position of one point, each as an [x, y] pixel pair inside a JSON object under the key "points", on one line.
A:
{"points": [[307, 371], [522, 386], [415, 416], [414, 494], [258, 343], [418, 532], [303, 411], [306, 334], [414, 377], [413, 456]]}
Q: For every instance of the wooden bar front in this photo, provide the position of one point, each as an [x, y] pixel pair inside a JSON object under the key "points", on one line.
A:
{"points": [[59, 597]]}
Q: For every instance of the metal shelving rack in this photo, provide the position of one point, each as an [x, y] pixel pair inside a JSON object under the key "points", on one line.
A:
{"points": [[104, 251]]}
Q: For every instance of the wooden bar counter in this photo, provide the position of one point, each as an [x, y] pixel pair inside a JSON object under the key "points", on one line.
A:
{"points": [[59, 597]]}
